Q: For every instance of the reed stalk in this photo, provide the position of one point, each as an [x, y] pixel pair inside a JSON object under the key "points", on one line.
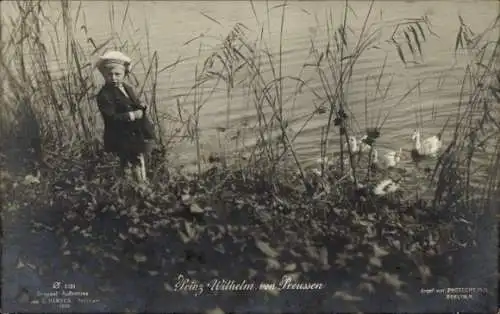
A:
{"points": [[57, 93]]}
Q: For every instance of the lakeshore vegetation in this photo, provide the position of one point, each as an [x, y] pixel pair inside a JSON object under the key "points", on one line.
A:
{"points": [[261, 214]]}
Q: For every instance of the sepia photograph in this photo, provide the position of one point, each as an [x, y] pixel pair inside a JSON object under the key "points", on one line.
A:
{"points": [[253, 156]]}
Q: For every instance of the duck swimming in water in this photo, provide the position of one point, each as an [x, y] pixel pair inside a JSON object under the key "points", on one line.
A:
{"points": [[428, 147], [389, 158], [358, 146]]}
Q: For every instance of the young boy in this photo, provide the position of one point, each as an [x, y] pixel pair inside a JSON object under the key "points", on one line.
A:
{"points": [[127, 131]]}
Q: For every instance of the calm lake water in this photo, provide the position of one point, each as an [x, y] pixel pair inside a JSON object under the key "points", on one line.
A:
{"points": [[171, 25]]}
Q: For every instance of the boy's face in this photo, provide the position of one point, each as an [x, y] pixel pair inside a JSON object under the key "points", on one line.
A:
{"points": [[114, 74]]}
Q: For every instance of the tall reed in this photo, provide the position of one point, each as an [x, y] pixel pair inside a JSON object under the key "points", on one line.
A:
{"points": [[50, 88], [333, 64], [476, 129], [52, 101]]}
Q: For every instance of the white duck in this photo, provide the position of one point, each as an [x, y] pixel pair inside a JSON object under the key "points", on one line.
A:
{"points": [[356, 146], [428, 147], [386, 186], [388, 159], [363, 145]]}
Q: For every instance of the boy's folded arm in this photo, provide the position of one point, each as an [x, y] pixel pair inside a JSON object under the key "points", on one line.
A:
{"points": [[135, 98], [138, 114]]}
